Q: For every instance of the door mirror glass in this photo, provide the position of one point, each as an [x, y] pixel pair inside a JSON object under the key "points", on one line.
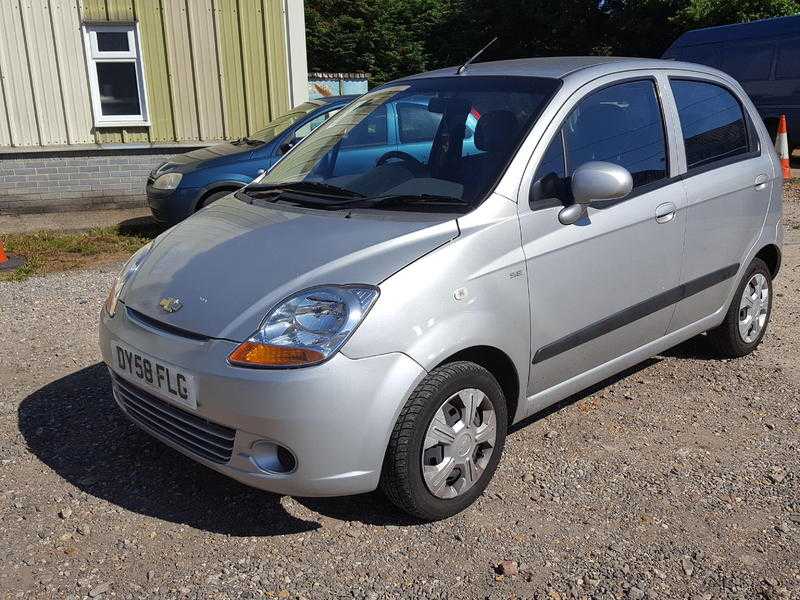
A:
{"points": [[595, 181], [288, 145]]}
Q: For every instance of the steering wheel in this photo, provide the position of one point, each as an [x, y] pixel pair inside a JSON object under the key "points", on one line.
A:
{"points": [[413, 164]]}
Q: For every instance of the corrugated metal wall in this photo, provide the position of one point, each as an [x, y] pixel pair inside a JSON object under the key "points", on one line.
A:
{"points": [[215, 69]]}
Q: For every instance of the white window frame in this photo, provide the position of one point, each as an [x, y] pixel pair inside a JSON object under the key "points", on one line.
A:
{"points": [[133, 55]]}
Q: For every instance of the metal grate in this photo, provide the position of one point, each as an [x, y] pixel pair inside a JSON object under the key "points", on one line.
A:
{"points": [[197, 435]]}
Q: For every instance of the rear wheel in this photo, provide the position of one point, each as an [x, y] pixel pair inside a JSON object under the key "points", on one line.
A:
{"points": [[746, 321], [446, 443]]}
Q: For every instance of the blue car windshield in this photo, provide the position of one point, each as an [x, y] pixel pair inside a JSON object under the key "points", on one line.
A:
{"points": [[277, 126], [426, 139]]}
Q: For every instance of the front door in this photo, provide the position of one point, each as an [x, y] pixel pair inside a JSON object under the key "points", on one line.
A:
{"points": [[607, 285]]}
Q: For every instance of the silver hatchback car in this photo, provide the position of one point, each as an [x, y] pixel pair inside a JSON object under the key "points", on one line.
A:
{"points": [[368, 316]]}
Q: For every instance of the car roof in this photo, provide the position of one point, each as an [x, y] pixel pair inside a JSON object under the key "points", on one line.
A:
{"points": [[343, 99], [764, 28], [559, 67]]}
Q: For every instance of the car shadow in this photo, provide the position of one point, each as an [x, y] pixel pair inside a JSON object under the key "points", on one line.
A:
{"points": [[74, 427], [146, 227]]}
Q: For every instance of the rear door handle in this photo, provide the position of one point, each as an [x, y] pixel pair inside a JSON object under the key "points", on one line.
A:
{"points": [[760, 182], [665, 212]]}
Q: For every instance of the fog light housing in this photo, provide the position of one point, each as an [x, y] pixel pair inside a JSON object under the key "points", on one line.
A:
{"points": [[273, 458]]}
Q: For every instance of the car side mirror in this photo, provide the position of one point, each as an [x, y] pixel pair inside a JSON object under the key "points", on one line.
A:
{"points": [[595, 181], [286, 146]]}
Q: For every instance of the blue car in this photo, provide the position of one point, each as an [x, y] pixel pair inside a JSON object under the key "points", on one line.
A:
{"points": [[191, 181]]}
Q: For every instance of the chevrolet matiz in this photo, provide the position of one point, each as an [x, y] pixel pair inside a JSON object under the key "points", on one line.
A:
{"points": [[336, 327]]}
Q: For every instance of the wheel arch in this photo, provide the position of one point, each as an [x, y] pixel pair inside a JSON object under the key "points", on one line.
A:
{"points": [[218, 186], [500, 365], [771, 255]]}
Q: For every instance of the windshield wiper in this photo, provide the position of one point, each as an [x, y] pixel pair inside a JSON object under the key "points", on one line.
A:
{"points": [[402, 200], [312, 187], [251, 141]]}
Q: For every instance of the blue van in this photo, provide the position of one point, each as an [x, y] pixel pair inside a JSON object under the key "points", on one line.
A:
{"points": [[191, 181], [763, 56]]}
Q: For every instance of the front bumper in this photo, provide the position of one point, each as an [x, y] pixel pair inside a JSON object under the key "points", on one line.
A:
{"points": [[336, 417], [171, 206]]}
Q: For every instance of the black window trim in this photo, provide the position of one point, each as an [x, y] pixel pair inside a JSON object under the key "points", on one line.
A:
{"points": [[549, 203], [752, 134]]}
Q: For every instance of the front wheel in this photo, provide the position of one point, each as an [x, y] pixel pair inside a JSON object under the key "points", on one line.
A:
{"points": [[446, 443], [746, 321]]}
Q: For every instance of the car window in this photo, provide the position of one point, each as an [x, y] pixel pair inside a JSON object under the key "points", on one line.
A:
{"points": [[371, 131], [549, 183], [444, 171], [748, 62], [788, 64], [416, 123], [712, 121], [621, 124], [307, 128]]}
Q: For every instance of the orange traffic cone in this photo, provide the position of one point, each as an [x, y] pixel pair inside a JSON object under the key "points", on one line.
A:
{"points": [[782, 146], [3, 255]]}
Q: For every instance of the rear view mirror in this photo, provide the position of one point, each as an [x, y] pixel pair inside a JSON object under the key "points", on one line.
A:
{"points": [[595, 181]]}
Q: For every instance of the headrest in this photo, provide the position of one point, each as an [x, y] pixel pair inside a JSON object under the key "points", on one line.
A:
{"points": [[495, 130]]}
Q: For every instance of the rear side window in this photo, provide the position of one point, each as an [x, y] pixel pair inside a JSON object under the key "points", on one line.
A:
{"points": [[748, 62], [712, 121], [372, 131], [621, 124], [416, 123], [788, 64]]}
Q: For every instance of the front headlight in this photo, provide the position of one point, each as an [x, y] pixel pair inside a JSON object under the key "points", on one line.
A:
{"points": [[167, 181], [306, 328], [133, 264]]}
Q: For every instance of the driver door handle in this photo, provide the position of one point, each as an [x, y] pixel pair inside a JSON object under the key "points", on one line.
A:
{"points": [[760, 182], [665, 212]]}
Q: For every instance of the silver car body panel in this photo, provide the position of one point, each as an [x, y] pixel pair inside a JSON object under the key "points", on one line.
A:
{"points": [[567, 305], [238, 260]]}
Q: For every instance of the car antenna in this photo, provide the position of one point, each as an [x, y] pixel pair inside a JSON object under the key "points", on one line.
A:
{"points": [[463, 67]]}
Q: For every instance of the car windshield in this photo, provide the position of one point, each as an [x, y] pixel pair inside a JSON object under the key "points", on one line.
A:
{"points": [[278, 126], [426, 142]]}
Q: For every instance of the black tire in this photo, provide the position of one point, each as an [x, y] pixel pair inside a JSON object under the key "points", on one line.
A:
{"points": [[401, 479], [726, 339], [211, 198]]}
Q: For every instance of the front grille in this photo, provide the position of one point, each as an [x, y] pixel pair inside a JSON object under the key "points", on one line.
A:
{"points": [[197, 435], [143, 319]]}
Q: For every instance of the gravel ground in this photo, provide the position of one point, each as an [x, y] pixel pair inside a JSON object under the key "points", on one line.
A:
{"points": [[678, 479]]}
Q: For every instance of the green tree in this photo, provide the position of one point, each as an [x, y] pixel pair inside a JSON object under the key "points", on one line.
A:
{"points": [[706, 13], [393, 38], [387, 38]]}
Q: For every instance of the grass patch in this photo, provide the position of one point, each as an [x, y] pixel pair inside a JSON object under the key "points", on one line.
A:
{"points": [[51, 251]]}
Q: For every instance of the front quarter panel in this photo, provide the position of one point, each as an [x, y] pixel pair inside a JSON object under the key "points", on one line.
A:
{"points": [[470, 292]]}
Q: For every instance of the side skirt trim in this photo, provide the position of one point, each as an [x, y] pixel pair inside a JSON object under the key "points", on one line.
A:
{"points": [[634, 313]]}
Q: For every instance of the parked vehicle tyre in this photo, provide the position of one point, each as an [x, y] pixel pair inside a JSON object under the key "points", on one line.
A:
{"points": [[748, 315], [211, 198], [446, 443]]}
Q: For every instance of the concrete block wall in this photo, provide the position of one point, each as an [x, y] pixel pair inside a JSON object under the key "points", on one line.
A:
{"points": [[77, 179]]}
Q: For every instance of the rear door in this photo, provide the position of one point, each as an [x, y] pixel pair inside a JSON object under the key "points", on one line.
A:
{"points": [[605, 286], [728, 183]]}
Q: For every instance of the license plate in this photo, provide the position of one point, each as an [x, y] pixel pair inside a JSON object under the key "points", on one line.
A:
{"points": [[149, 372]]}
